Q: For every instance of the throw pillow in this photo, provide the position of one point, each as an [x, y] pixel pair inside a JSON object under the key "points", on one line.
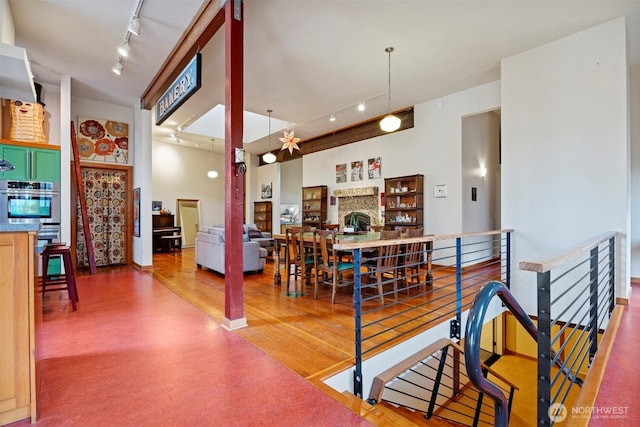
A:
{"points": [[253, 234]]}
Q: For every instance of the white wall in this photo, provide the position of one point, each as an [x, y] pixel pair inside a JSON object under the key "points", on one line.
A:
{"points": [[102, 110], [7, 28], [181, 173], [480, 148], [266, 174], [564, 146], [432, 147], [634, 92]]}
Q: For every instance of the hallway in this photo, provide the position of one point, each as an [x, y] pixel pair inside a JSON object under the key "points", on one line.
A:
{"points": [[135, 354]]}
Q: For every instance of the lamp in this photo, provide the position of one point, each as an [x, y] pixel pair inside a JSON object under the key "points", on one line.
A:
{"points": [[269, 157], [332, 118], [362, 106], [390, 122], [483, 171], [212, 173], [117, 68]]}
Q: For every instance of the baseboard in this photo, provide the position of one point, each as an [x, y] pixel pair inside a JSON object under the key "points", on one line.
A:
{"points": [[145, 268]]}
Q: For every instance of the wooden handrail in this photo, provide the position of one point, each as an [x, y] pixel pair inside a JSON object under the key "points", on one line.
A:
{"points": [[347, 246], [383, 378], [542, 265]]}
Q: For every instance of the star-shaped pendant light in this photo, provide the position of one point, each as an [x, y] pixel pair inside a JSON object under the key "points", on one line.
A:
{"points": [[289, 142]]}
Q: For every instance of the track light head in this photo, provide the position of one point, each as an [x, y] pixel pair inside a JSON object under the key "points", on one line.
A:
{"points": [[124, 49], [134, 26], [117, 68]]}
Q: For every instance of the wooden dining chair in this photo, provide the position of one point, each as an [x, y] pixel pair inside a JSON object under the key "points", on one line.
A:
{"points": [[328, 263], [385, 264], [413, 258], [297, 255]]}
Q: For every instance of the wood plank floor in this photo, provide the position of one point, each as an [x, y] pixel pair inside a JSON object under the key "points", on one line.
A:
{"points": [[310, 336]]}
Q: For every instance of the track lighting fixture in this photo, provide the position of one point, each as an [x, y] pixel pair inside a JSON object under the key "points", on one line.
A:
{"points": [[269, 157], [390, 122], [124, 49], [134, 26], [117, 68]]}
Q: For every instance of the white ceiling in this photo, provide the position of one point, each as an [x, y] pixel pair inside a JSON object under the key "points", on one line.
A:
{"points": [[304, 59]]}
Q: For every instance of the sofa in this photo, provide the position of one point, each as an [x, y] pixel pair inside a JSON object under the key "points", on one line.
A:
{"points": [[210, 251]]}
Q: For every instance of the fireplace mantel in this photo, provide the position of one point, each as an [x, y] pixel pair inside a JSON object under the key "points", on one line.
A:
{"points": [[355, 192]]}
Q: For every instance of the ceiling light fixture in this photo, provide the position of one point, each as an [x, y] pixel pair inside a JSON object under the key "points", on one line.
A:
{"points": [[362, 106], [390, 122], [134, 25], [117, 68], [213, 174], [332, 118], [269, 157], [125, 47]]}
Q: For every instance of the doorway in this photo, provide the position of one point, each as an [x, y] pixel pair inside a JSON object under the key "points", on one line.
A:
{"points": [[108, 195], [188, 218], [481, 202]]}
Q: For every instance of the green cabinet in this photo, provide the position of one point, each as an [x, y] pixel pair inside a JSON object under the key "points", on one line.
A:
{"points": [[32, 163]]}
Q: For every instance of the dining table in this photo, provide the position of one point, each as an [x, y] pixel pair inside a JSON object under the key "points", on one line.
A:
{"points": [[359, 238]]}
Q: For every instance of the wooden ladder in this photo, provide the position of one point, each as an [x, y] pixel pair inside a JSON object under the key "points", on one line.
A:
{"points": [[83, 202]]}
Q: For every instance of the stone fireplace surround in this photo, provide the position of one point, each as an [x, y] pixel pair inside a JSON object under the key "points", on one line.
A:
{"points": [[361, 199]]}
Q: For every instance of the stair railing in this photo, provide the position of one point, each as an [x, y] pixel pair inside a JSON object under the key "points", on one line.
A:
{"points": [[434, 382], [574, 308]]}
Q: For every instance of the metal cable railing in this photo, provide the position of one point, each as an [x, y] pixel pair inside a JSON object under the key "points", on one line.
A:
{"points": [[395, 304], [574, 307], [435, 383]]}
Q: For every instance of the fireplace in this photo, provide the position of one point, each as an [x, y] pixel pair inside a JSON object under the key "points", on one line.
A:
{"points": [[358, 220], [361, 201]]}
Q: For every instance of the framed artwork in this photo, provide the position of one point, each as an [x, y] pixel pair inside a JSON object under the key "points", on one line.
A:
{"points": [[103, 140], [374, 168], [136, 212], [265, 191], [289, 214], [156, 205], [341, 173], [356, 170]]}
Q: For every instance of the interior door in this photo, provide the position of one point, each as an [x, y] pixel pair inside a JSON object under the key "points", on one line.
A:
{"points": [[189, 220]]}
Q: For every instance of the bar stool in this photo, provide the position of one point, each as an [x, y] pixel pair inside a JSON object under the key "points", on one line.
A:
{"points": [[68, 279]]}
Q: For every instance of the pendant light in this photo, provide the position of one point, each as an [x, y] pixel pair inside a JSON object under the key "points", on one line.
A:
{"points": [[212, 173], [269, 157], [390, 122]]}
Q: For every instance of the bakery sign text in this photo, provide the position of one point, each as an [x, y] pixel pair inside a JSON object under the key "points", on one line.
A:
{"points": [[185, 85]]}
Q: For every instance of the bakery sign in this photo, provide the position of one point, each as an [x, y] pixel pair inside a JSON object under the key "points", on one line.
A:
{"points": [[185, 85]]}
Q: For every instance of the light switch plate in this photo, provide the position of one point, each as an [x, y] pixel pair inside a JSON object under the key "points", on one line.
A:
{"points": [[440, 190]]}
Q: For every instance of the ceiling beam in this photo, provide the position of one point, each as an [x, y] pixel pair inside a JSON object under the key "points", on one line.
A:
{"points": [[208, 20], [347, 135]]}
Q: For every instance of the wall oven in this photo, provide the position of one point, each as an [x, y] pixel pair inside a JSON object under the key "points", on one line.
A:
{"points": [[29, 201]]}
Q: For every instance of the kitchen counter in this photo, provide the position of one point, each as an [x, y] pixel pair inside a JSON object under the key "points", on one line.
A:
{"points": [[13, 228], [21, 306]]}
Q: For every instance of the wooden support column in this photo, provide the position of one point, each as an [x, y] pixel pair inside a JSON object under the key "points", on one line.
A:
{"points": [[234, 189]]}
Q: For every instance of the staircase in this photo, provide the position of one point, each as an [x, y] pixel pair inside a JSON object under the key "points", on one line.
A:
{"points": [[433, 385]]}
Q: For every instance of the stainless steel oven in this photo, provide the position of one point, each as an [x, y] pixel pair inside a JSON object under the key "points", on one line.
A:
{"points": [[29, 201]]}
